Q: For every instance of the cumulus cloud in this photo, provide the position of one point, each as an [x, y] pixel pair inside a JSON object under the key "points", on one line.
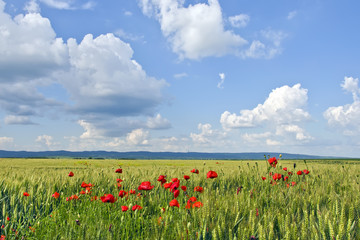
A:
{"points": [[158, 122], [137, 137], [222, 79], [290, 130], [283, 105], [45, 139], [207, 135], [32, 7], [105, 80], [346, 117], [6, 142], [195, 31], [239, 21]]}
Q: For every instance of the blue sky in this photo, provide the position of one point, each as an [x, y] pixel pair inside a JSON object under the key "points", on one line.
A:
{"points": [[173, 75]]}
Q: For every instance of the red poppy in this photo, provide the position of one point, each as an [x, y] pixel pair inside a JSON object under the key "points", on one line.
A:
{"points": [[276, 176], [145, 186], [2, 237], [293, 183], [286, 178], [71, 174], [119, 180], [211, 174], [26, 194], [195, 171], [285, 169], [299, 173], [73, 197], [132, 191], [124, 208], [167, 185], [108, 198], [192, 199], [82, 192], [186, 177], [174, 203], [174, 179], [86, 185], [162, 179], [56, 195], [175, 185], [272, 161], [119, 170], [176, 193], [122, 193], [306, 171], [263, 178], [7, 218], [184, 188], [198, 189], [136, 207], [197, 205], [290, 173]]}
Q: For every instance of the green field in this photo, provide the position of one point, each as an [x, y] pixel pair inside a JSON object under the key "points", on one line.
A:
{"points": [[237, 204]]}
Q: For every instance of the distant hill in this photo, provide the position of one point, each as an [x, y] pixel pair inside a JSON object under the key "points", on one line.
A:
{"points": [[153, 155]]}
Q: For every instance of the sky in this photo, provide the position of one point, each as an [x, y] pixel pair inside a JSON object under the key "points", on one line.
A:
{"points": [[180, 75]]}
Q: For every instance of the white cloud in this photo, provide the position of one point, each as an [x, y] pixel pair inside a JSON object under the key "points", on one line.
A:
{"points": [[91, 132], [239, 21], [68, 4], [6, 140], [291, 15], [292, 129], [346, 117], [32, 7], [137, 137], [128, 36], [195, 31], [255, 137], [158, 122], [284, 105], [180, 75], [23, 120], [46, 140], [222, 79], [207, 135]]}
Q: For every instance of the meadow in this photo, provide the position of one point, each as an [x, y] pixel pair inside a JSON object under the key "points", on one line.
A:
{"points": [[179, 199]]}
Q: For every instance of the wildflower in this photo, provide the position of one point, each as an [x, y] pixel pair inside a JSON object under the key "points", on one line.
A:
{"points": [[176, 193], [174, 203], [162, 210], [306, 171], [167, 185], [93, 198], [272, 161], [7, 218], [132, 191], [175, 185], [211, 174], [174, 179], [285, 169], [119, 180], [145, 186], [263, 178], [290, 173], [122, 193], [198, 189], [136, 207], [257, 212], [239, 190], [195, 171], [26, 194], [186, 177], [86, 185], [119, 170], [124, 208], [276, 176], [286, 178], [82, 192], [184, 188], [161, 179], [197, 205], [2, 237], [56, 195], [71, 174], [108, 198], [73, 197], [299, 173]]}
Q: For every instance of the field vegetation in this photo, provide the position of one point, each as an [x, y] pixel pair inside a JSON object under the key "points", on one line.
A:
{"points": [[179, 199]]}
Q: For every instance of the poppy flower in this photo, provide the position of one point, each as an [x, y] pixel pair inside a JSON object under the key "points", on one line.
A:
{"points": [[306, 171], [56, 195], [119, 170], [136, 207], [82, 192], [238, 190], [26, 194], [73, 197], [71, 174], [299, 173], [277, 176], [132, 191], [195, 171], [184, 188], [2, 237], [124, 208], [176, 193], [108, 198], [263, 178], [186, 177], [122, 193], [272, 161], [197, 205], [192, 199], [211, 174], [174, 203], [161, 179], [290, 173], [286, 178], [167, 185], [175, 185], [174, 179], [7, 218], [145, 186], [198, 189], [86, 185], [285, 169], [119, 180]]}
